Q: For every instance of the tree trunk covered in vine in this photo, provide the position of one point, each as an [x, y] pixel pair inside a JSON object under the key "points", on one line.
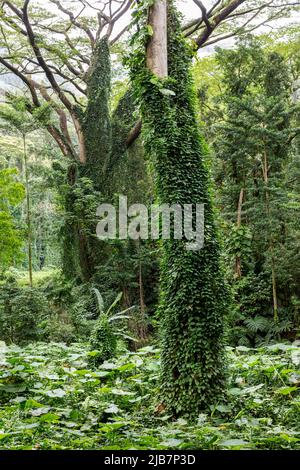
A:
{"points": [[83, 250], [193, 296], [104, 137], [96, 119]]}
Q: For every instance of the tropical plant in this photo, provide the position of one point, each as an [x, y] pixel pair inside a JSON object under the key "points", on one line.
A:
{"points": [[106, 333]]}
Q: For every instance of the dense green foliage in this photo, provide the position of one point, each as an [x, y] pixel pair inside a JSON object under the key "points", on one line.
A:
{"points": [[51, 399], [11, 194], [79, 201], [253, 127], [54, 310], [25, 151], [146, 366], [103, 340], [105, 332], [22, 312]]}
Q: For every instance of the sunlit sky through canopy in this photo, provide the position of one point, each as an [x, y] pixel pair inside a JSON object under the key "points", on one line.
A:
{"points": [[188, 8]]}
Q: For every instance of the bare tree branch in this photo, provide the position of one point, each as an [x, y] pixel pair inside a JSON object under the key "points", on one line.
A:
{"points": [[134, 133], [217, 19], [24, 79], [42, 61], [64, 144], [75, 22], [204, 14], [62, 115]]}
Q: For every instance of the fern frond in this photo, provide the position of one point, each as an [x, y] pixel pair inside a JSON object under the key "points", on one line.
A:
{"points": [[258, 323]]}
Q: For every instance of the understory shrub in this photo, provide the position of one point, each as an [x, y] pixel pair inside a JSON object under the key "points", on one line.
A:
{"points": [[109, 328], [21, 312]]}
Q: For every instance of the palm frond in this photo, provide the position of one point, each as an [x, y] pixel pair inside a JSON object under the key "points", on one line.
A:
{"points": [[119, 333], [121, 315], [116, 301]]}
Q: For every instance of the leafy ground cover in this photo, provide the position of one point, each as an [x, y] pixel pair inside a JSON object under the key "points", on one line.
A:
{"points": [[39, 277], [51, 399]]}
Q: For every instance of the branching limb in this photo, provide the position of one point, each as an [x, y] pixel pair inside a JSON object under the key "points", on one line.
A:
{"points": [[24, 79], [75, 21]]}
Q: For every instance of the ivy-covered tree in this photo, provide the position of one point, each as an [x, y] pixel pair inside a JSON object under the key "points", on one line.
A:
{"points": [[193, 296]]}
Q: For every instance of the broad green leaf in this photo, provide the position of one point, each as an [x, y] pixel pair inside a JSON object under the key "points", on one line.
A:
{"points": [[234, 443], [112, 408], [167, 92], [12, 388], [171, 443], [40, 411], [286, 390], [49, 418], [56, 393]]}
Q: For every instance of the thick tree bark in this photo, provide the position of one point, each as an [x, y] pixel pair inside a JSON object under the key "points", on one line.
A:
{"points": [[157, 50]]}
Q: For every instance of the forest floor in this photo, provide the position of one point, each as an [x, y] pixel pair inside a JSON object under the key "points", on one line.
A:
{"points": [[51, 399]]}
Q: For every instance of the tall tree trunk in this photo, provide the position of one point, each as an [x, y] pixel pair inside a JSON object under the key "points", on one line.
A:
{"points": [[28, 208], [86, 265], [193, 297], [94, 137], [76, 253], [238, 261], [157, 50]]}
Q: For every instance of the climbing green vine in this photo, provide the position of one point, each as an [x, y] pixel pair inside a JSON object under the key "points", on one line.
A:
{"points": [[85, 184], [97, 122], [193, 297]]}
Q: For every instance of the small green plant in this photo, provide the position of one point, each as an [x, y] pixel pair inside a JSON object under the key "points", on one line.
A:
{"points": [[57, 330], [105, 334]]}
